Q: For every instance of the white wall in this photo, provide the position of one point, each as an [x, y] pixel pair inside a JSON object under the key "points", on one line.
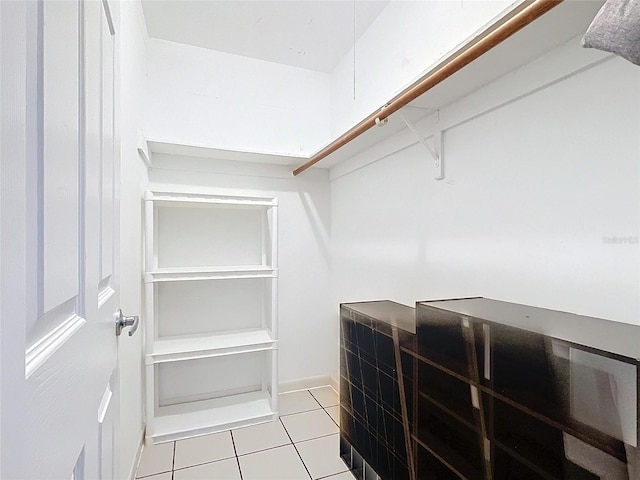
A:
{"points": [[306, 327], [215, 99], [133, 38], [534, 181], [406, 40], [534, 190], [203, 97]]}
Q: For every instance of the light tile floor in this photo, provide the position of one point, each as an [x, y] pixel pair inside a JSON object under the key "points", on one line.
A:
{"points": [[303, 444]]}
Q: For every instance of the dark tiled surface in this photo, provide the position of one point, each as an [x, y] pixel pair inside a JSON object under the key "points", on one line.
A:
{"points": [[450, 439], [446, 391], [384, 315], [441, 340], [606, 335], [483, 399], [429, 466], [370, 398]]}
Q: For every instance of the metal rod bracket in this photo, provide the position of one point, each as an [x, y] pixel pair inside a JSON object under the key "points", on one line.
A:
{"points": [[435, 152]]}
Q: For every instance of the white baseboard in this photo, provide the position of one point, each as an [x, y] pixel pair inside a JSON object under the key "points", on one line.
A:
{"points": [[335, 384], [310, 382]]}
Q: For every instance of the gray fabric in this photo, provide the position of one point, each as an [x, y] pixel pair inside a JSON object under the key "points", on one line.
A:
{"points": [[616, 29]]}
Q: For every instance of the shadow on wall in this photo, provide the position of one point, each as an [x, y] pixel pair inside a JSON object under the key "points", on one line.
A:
{"points": [[321, 230]]}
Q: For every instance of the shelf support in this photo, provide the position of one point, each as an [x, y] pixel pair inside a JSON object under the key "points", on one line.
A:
{"points": [[435, 152], [143, 150]]}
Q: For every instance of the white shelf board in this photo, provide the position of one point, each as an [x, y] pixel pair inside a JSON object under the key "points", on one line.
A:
{"points": [[168, 198], [205, 151], [178, 274], [210, 345], [234, 411]]}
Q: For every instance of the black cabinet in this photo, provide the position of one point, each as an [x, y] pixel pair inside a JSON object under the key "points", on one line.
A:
{"points": [[370, 395], [481, 389]]}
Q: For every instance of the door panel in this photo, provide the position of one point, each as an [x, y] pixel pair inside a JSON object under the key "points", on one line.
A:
{"points": [[107, 415], [108, 157], [57, 191], [108, 299], [60, 412]]}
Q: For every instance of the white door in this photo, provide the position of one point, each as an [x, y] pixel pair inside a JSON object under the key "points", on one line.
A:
{"points": [[58, 207]]}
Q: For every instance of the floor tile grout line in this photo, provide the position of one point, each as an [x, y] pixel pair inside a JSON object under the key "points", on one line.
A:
{"points": [[334, 474], [294, 447], [203, 463], [308, 411], [235, 450], [280, 446], [317, 438], [324, 386], [152, 474], [326, 476], [318, 388], [173, 460], [265, 449], [303, 464], [314, 397], [337, 425], [301, 411], [325, 411]]}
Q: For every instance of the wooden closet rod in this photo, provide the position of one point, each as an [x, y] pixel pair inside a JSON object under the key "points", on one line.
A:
{"points": [[507, 26]]}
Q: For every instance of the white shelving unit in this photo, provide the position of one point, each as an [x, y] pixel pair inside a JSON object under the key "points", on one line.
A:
{"points": [[211, 312]]}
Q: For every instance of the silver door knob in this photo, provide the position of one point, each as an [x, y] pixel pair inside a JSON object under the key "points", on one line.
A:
{"points": [[122, 322]]}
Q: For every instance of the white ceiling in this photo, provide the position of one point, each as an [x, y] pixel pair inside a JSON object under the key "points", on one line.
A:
{"points": [[310, 34]]}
